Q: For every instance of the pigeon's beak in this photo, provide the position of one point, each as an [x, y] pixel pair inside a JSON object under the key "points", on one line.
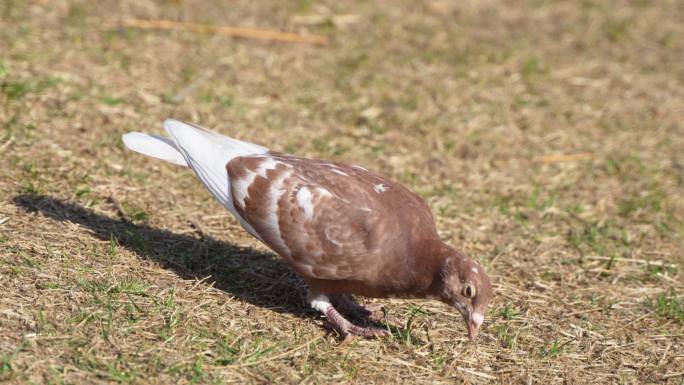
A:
{"points": [[474, 322]]}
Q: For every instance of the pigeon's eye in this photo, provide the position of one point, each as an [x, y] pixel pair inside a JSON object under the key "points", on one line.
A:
{"points": [[469, 291]]}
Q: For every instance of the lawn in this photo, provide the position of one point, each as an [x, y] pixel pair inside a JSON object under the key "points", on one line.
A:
{"points": [[546, 136]]}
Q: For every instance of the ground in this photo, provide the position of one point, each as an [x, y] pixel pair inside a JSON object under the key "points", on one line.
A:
{"points": [[547, 137]]}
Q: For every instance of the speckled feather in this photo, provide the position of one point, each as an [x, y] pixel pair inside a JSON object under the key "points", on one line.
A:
{"points": [[352, 228]]}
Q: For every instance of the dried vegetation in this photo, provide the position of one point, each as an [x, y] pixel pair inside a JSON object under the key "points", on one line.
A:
{"points": [[547, 137]]}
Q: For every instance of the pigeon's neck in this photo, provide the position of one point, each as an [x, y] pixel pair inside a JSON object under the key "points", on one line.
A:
{"points": [[429, 266]]}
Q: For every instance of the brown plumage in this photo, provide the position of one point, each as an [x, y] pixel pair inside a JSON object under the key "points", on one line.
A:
{"points": [[342, 228]]}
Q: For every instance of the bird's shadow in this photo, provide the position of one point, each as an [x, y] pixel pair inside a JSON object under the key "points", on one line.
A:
{"points": [[253, 276], [257, 277]]}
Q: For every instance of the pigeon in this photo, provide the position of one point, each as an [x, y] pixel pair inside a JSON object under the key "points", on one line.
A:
{"points": [[345, 230]]}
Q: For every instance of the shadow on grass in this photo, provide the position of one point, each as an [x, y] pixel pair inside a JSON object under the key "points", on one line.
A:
{"points": [[257, 277]]}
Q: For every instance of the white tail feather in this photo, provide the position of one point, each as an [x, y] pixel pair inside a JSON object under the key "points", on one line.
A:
{"points": [[205, 152], [154, 146]]}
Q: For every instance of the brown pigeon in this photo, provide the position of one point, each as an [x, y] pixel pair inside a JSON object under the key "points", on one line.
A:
{"points": [[342, 228]]}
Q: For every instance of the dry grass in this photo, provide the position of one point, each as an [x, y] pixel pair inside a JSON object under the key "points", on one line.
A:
{"points": [[546, 136]]}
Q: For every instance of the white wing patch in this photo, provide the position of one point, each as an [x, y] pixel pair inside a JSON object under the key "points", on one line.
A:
{"points": [[271, 220], [304, 199], [379, 188]]}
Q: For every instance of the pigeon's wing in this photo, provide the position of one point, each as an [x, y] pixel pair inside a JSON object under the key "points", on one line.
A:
{"points": [[328, 220]]}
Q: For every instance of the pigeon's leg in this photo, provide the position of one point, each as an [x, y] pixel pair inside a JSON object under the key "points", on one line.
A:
{"points": [[321, 302], [347, 305]]}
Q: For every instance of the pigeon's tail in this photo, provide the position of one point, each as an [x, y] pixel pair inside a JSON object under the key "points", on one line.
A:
{"points": [[204, 151], [155, 146]]}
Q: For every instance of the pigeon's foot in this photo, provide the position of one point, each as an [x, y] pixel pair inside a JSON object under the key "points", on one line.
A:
{"points": [[321, 302], [362, 313], [347, 329]]}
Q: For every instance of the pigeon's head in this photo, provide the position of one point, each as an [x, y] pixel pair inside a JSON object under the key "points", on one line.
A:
{"points": [[468, 289]]}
